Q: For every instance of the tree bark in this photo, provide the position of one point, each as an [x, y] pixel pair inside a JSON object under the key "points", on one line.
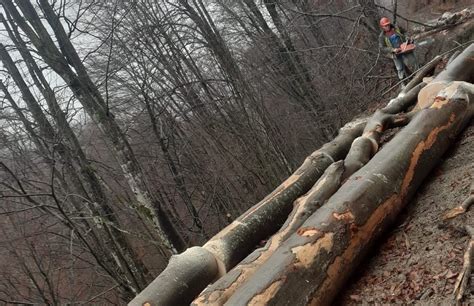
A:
{"points": [[313, 264], [181, 280]]}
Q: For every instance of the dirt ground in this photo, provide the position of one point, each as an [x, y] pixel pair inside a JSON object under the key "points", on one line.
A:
{"points": [[419, 260]]}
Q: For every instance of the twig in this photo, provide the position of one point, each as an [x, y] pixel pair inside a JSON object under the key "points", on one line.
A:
{"points": [[463, 277], [424, 71], [463, 207], [404, 18], [101, 294]]}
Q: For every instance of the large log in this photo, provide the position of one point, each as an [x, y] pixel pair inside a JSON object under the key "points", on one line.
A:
{"points": [[240, 237], [219, 292], [362, 149], [313, 264], [182, 278]]}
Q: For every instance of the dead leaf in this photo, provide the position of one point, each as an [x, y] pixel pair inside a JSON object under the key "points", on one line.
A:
{"points": [[355, 297], [438, 276], [451, 274]]}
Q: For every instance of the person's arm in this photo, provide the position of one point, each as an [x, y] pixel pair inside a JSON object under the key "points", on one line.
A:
{"points": [[383, 47]]}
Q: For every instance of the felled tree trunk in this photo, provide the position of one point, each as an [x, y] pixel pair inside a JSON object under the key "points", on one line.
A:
{"points": [[239, 238], [362, 149], [265, 218], [312, 265], [220, 291], [235, 241], [182, 280]]}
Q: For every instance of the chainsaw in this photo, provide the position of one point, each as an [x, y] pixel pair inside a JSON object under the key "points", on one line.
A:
{"points": [[407, 46]]}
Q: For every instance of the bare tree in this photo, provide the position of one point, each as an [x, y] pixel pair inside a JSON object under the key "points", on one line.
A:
{"points": [[62, 61]]}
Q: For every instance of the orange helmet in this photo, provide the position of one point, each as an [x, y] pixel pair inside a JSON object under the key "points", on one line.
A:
{"points": [[384, 22]]}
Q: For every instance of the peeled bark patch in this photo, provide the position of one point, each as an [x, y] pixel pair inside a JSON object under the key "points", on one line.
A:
{"points": [[305, 254], [265, 296]]}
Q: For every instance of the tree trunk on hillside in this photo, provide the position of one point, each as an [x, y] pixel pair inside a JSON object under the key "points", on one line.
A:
{"points": [[48, 144], [313, 264], [82, 180], [90, 184], [61, 60], [256, 117], [295, 72]]}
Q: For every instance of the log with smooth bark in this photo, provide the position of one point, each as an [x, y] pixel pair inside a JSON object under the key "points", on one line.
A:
{"points": [[329, 245], [361, 151], [181, 280], [364, 147], [240, 237], [313, 264], [236, 241], [219, 292]]}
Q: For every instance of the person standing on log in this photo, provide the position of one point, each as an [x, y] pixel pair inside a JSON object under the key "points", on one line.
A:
{"points": [[393, 41]]}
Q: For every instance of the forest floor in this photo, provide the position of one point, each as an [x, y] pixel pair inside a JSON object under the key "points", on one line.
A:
{"points": [[419, 260]]}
